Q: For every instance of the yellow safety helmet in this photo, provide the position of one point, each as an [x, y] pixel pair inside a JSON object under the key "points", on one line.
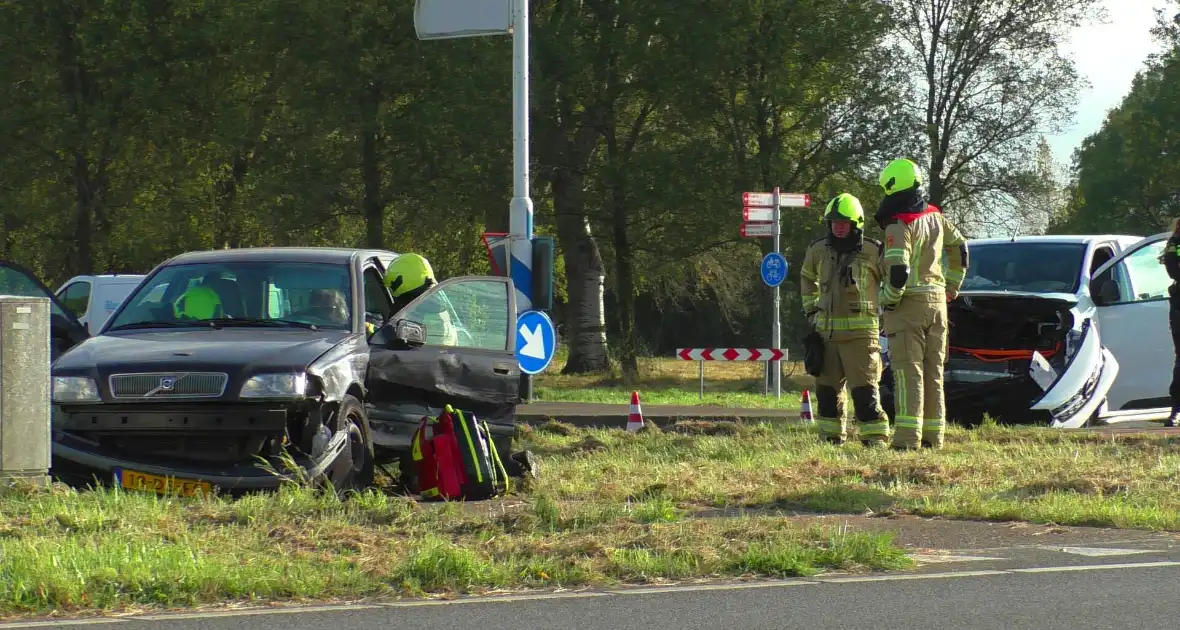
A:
{"points": [[407, 273], [899, 175], [199, 302], [846, 207]]}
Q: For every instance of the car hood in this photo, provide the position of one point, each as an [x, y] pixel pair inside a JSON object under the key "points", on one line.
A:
{"points": [[1054, 297], [231, 350]]}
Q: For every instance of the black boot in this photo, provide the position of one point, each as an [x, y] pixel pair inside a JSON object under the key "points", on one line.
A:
{"points": [[1174, 419]]}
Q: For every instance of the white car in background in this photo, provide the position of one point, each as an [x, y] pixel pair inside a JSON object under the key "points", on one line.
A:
{"points": [[92, 299], [1067, 330]]}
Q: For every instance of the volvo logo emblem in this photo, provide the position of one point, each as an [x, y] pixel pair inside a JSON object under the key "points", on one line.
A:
{"points": [[167, 383]]}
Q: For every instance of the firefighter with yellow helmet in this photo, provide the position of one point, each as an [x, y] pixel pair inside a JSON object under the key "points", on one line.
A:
{"points": [[914, 297], [408, 277], [840, 282]]}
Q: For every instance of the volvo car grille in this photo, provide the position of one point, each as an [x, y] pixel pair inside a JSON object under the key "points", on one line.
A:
{"points": [[169, 385]]}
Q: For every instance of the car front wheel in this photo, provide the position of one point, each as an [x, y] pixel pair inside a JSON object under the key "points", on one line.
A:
{"points": [[353, 468]]}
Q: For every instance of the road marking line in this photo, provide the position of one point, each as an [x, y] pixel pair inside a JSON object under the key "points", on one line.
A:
{"points": [[1095, 552], [935, 557], [492, 599], [285, 610], [55, 624], [646, 590], [1097, 567], [909, 576], [579, 595]]}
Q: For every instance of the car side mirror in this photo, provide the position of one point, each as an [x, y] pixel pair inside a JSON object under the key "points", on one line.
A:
{"points": [[409, 334], [1108, 292], [59, 327]]}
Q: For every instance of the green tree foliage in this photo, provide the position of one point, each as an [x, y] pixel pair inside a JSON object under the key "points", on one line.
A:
{"points": [[992, 81], [138, 129], [1127, 174]]}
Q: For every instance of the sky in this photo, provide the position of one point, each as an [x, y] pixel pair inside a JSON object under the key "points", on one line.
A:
{"points": [[1108, 55]]}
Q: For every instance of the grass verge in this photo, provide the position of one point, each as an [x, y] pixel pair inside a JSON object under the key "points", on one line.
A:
{"points": [[610, 507], [990, 473], [69, 552], [674, 382]]}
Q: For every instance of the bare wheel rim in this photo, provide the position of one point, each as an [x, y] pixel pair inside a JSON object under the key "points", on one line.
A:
{"points": [[356, 444]]}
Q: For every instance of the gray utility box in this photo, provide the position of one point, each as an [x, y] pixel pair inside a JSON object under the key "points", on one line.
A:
{"points": [[25, 390]]}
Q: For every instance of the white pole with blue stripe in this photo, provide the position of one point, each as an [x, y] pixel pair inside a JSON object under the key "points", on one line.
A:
{"points": [[520, 210]]}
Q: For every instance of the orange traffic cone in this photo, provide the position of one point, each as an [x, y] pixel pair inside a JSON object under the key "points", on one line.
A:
{"points": [[805, 409], [635, 417]]}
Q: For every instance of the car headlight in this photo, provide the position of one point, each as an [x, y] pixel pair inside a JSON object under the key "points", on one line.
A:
{"points": [[276, 386], [1073, 343], [74, 389]]}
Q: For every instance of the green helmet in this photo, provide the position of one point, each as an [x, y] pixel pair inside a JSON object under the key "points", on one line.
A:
{"points": [[199, 302], [900, 175], [407, 273], [846, 207]]}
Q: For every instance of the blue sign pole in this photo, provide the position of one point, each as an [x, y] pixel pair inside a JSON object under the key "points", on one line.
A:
{"points": [[536, 341]]}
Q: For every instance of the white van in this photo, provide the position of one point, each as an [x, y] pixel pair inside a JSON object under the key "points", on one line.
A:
{"points": [[92, 299]]}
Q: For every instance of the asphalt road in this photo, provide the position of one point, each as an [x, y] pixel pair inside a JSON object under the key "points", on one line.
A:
{"points": [[1032, 587]]}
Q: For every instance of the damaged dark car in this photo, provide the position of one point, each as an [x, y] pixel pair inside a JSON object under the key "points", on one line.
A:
{"points": [[225, 366]]}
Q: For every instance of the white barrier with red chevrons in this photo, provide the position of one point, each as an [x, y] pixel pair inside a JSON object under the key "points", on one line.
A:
{"points": [[729, 354]]}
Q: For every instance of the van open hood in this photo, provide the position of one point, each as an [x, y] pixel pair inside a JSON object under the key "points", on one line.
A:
{"points": [[1057, 297]]}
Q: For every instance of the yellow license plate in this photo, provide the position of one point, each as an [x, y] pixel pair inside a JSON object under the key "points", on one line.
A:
{"points": [[135, 480]]}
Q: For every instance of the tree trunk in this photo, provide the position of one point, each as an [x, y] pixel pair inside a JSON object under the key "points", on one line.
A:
{"points": [[624, 282], [82, 261], [228, 230], [583, 266], [374, 209]]}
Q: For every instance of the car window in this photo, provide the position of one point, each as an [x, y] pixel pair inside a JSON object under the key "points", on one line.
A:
{"points": [[16, 282], [313, 293], [1149, 278], [378, 306], [76, 298], [1102, 254], [465, 314]]}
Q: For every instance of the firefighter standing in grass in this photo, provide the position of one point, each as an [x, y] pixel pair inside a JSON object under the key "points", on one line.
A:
{"points": [[840, 282], [914, 297], [1171, 260]]}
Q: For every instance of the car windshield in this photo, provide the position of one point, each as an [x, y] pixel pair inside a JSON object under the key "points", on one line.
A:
{"points": [[253, 293], [1025, 266]]}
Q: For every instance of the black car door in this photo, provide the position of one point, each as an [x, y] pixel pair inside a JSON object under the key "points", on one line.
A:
{"points": [[468, 360], [65, 330]]}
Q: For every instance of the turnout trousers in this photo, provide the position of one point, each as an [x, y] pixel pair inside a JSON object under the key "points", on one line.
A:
{"points": [[857, 364], [1174, 324], [916, 331]]}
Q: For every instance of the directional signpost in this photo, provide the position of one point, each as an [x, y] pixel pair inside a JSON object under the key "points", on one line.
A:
{"points": [[536, 341], [455, 19], [761, 219]]}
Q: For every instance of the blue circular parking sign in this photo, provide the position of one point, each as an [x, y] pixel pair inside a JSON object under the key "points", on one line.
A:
{"points": [[774, 269]]}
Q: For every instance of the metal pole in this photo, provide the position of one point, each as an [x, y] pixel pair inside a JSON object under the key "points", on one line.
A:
{"points": [[701, 368], [776, 327], [520, 209]]}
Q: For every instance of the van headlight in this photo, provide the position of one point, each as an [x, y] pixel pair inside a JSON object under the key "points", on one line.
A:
{"points": [[74, 389], [275, 386]]}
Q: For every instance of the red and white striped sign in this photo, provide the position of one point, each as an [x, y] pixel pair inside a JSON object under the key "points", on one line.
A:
{"points": [[731, 354]]}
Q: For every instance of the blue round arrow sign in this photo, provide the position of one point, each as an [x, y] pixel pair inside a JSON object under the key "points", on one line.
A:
{"points": [[536, 341], [774, 269]]}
